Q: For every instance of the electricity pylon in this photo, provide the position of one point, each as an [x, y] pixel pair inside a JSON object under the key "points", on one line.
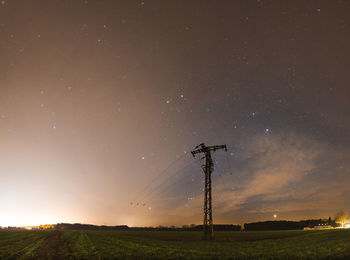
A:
{"points": [[208, 169]]}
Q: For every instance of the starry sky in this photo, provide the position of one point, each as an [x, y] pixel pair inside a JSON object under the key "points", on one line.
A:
{"points": [[101, 103]]}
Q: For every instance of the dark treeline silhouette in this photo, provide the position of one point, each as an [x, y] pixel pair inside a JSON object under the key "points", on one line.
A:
{"points": [[285, 225], [265, 225], [78, 226], [190, 228]]}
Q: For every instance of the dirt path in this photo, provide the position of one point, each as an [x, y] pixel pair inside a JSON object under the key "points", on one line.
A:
{"points": [[53, 247]]}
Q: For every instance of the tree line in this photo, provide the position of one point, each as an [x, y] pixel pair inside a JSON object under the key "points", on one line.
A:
{"points": [[288, 225], [262, 225], [192, 227]]}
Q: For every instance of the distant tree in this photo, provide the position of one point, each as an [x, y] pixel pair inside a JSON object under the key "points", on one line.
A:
{"points": [[341, 218]]}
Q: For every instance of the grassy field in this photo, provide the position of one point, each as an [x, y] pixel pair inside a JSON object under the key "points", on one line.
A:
{"points": [[322, 244]]}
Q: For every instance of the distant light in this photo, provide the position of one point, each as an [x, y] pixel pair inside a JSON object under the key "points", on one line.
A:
{"points": [[181, 96], [143, 157], [267, 130], [168, 101], [318, 9], [54, 127], [254, 113], [274, 216]]}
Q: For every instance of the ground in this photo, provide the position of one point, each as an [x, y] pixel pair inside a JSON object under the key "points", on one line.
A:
{"points": [[300, 244]]}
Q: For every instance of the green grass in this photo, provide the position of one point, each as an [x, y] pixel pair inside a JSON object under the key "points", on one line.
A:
{"points": [[321, 244]]}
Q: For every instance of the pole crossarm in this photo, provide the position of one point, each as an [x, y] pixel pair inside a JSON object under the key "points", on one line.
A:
{"points": [[208, 169], [204, 149]]}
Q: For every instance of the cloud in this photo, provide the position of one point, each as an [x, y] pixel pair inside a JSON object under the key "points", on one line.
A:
{"points": [[277, 173], [275, 162]]}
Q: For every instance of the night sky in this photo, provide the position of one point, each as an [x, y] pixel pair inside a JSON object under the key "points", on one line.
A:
{"points": [[101, 103]]}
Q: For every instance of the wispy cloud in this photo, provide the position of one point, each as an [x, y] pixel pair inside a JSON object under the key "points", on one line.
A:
{"points": [[283, 174]]}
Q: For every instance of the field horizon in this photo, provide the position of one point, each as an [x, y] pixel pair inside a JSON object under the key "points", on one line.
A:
{"points": [[260, 225]]}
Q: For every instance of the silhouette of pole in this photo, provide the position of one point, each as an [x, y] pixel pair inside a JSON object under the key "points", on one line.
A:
{"points": [[208, 169]]}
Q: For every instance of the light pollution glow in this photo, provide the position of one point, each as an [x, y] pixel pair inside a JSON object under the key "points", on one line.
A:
{"points": [[99, 97]]}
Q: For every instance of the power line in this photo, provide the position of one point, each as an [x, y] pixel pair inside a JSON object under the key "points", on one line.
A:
{"points": [[165, 183], [161, 173]]}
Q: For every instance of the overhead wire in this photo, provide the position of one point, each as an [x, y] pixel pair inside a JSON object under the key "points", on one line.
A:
{"points": [[164, 184], [161, 173]]}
